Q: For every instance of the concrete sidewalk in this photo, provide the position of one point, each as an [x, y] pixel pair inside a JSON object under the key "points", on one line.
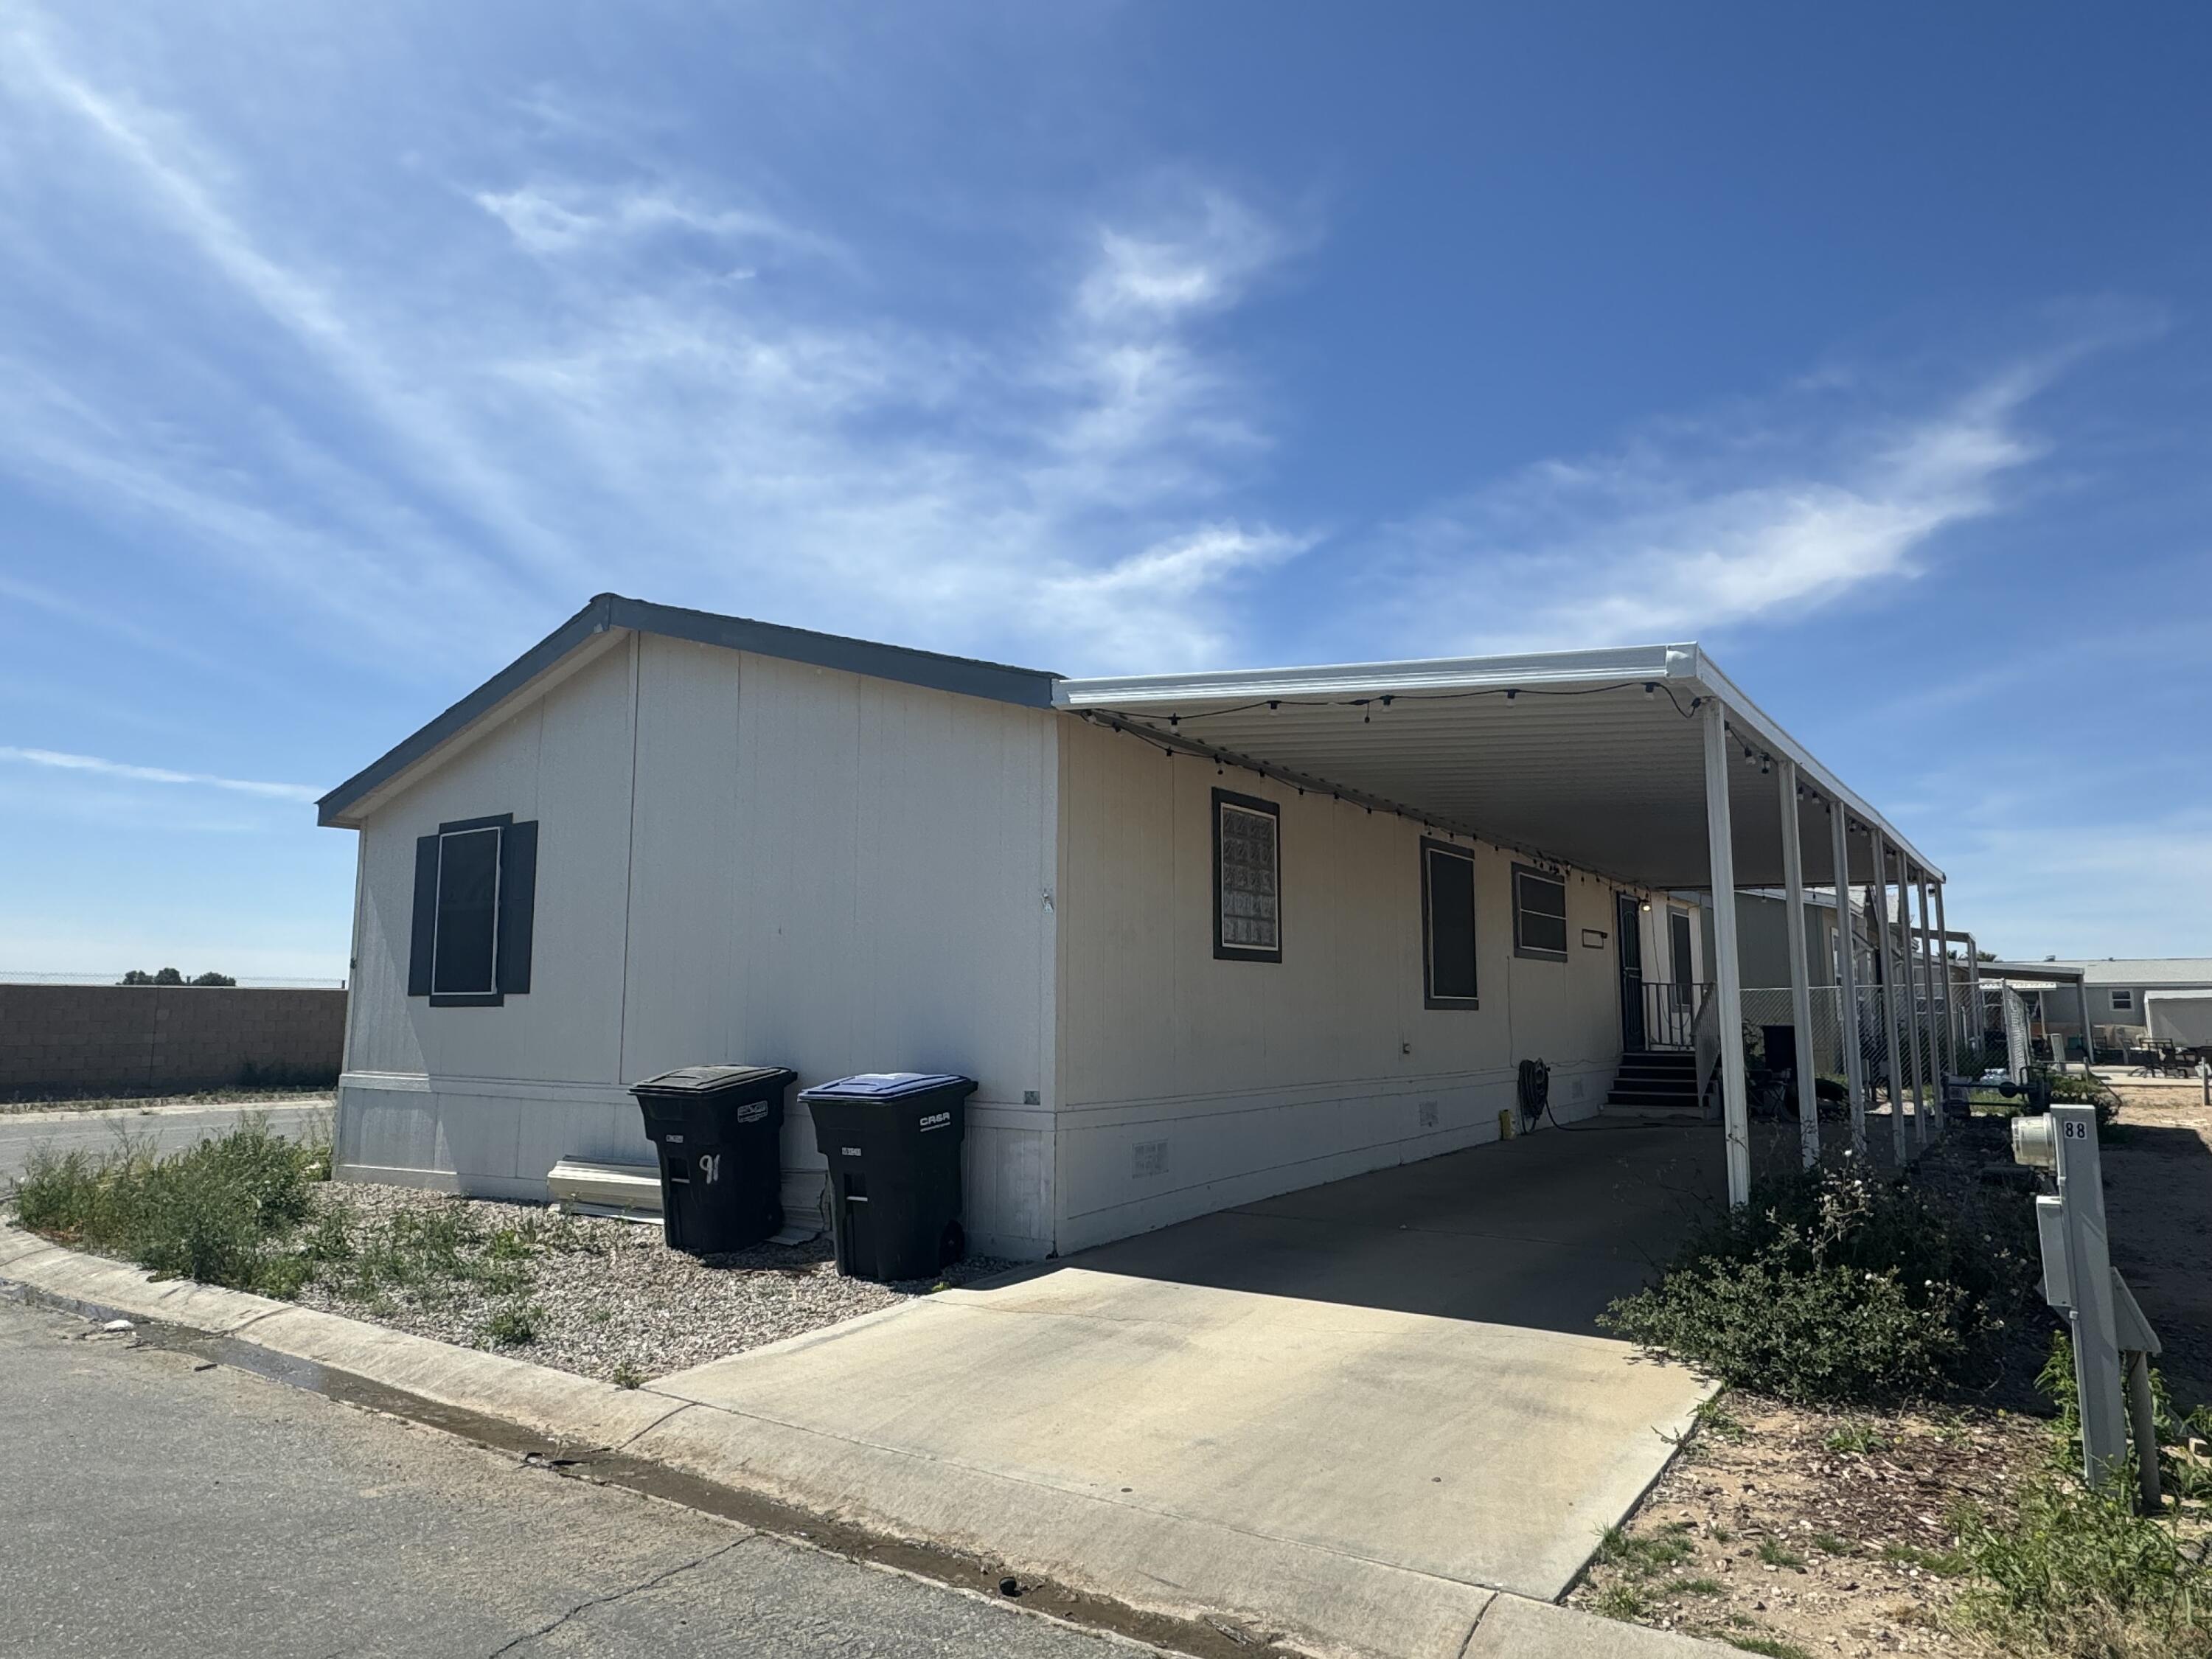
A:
{"points": [[1180, 1452]]}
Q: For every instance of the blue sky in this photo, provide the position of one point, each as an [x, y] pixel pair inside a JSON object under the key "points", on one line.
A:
{"points": [[345, 350]]}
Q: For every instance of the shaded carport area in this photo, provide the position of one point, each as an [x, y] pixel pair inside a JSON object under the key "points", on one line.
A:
{"points": [[1354, 1416]]}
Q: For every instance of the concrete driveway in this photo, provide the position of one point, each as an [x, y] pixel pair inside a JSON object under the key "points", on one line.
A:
{"points": [[1384, 1392]]}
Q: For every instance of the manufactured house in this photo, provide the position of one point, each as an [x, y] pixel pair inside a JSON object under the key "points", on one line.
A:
{"points": [[2119, 1000], [1200, 937]]}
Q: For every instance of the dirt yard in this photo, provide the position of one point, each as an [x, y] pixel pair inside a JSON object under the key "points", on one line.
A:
{"points": [[1794, 1533]]}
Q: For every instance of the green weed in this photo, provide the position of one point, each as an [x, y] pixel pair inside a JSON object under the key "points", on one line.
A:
{"points": [[223, 1212], [1643, 1555], [512, 1327], [1771, 1646], [1861, 1439], [1621, 1600], [1944, 1563]]}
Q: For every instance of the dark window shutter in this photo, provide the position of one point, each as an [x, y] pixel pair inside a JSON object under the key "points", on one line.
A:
{"points": [[518, 896], [426, 916]]}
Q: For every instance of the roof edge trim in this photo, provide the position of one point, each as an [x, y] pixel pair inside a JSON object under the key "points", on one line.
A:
{"points": [[1708, 673], [1538, 668], [1028, 688]]}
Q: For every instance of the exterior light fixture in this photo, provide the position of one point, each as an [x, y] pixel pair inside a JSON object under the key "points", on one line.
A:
{"points": [[1650, 690]]}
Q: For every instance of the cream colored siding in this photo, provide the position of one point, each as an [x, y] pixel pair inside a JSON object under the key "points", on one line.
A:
{"points": [[740, 858], [566, 759], [1251, 1078]]}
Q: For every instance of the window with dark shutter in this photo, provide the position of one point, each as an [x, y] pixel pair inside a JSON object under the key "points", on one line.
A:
{"points": [[1447, 926], [1540, 915], [464, 951], [475, 895], [1248, 921]]}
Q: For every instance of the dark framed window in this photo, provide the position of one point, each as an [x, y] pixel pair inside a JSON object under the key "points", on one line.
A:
{"points": [[2123, 1001], [1248, 868], [1540, 915], [476, 885], [1447, 926]]}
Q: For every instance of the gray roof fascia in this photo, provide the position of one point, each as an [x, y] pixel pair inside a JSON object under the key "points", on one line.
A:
{"points": [[2049, 973], [586, 624], [1030, 688]]}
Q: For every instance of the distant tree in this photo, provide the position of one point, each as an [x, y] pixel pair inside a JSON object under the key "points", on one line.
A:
{"points": [[166, 976], [212, 978], [137, 977]]}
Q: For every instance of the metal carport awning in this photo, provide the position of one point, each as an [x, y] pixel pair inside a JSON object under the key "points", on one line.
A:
{"points": [[1591, 758], [1644, 764]]}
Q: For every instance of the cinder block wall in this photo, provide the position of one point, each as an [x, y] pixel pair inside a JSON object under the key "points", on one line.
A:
{"points": [[94, 1039]]}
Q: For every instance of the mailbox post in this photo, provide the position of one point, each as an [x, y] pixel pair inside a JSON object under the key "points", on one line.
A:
{"points": [[2078, 1272], [2078, 1281]]}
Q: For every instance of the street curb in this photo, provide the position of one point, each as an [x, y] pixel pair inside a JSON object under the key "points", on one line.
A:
{"points": [[711, 1459]]}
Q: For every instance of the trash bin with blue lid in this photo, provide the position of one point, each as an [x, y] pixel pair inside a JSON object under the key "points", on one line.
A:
{"points": [[719, 1130], [893, 1142]]}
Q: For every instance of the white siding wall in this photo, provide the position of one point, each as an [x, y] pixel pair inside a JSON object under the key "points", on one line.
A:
{"points": [[1261, 1078], [740, 859]]}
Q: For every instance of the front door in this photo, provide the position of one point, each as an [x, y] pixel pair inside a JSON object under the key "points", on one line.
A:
{"points": [[1626, 916]]}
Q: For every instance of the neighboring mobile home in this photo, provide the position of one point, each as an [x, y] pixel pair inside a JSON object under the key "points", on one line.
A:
{"points": [[1200, 937]]}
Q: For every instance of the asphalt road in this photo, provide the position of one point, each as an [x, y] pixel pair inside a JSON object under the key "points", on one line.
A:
{"points": [[154, 1507], [170, 1128]]}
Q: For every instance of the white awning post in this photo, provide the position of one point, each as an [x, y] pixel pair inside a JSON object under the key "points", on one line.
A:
{"points": [[1952, 1039], [2089, 1039], [1728, 971], [1899, 1146], [1980, 1030], [1847, 974], [1932, 1126], [1916, 998], [1801, 978]]}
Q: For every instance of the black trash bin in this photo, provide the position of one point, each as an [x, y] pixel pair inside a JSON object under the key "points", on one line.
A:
{"points": [[893, 1142], [719, 1130]]}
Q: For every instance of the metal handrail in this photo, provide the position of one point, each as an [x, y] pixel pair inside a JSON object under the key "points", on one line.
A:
{"points": [[1672, 1010], [1705, 1033]]}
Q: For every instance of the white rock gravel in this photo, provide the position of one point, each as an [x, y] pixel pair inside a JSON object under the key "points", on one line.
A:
{"points": [[612, 1301]]}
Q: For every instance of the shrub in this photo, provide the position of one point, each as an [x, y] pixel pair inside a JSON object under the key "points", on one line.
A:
{"points": [[1833, 1288], [219, 1213]]}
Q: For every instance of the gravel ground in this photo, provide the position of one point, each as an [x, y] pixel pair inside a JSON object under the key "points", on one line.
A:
{"points": [[611, 1300]]}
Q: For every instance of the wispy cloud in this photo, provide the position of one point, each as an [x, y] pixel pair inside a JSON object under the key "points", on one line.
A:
{"points": [[513, 417], [1697, 525], [552, 219], [108, 768]]}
